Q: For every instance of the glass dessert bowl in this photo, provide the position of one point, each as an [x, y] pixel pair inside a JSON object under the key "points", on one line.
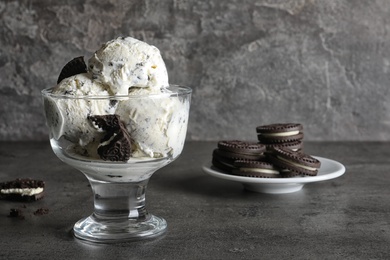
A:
{"points": [[118, 142]]}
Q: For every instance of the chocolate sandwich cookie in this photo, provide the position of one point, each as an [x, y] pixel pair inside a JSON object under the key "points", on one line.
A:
{"points": [[294, 163], [279, 133], [235, 149], [256, 169], [73, 67], [231, 150], [116, 144], [22, 190]]}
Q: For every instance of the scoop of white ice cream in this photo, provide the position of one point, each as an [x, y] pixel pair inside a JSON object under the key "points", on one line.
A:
{"points": [[127, 62], [157, 124], [70, 115]]}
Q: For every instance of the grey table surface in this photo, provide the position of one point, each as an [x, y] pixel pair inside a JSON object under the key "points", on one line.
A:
{"points": [[210, 218]]}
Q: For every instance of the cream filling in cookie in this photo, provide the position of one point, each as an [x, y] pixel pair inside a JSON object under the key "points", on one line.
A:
{"points": [[297, 164], [108, 141], [268, 171], [23, 192], [290, 133], [226, 164]]}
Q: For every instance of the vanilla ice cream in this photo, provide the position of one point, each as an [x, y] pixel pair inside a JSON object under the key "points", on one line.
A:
{"points": [[127, 62], [76, 128], [157, 131]]}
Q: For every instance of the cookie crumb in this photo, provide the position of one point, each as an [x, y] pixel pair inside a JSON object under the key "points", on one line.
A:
{"points": [[41, 211], [16, 213]]}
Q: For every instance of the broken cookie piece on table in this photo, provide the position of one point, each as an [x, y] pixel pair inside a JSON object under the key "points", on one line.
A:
{"points": [[22, 189]]}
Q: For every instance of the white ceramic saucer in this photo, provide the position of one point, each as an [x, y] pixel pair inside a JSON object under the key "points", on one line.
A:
{"points": [[330, 169]]}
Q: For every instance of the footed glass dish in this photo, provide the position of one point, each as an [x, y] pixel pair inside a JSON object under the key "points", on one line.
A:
{"points": [[118, 168]]}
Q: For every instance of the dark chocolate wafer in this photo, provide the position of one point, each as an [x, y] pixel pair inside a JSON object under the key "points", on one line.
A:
{"points": [[295, 146], [242, 156], [294, 163], [73, 67], [253, 149]]}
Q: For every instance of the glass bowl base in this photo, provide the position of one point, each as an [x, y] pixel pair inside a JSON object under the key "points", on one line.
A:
{"points": [[118, 230]]}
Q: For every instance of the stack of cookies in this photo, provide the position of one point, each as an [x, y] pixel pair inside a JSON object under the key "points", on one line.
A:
{"points": [[244, 159], [279, 153]]}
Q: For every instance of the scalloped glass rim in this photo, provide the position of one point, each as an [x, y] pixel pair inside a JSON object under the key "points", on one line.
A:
{"points": [[172, 90]]}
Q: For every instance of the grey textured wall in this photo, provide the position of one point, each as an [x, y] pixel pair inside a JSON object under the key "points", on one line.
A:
{"points": [[324, 63]]}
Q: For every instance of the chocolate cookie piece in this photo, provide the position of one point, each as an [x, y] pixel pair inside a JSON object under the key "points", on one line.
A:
{"points": [[73, 67], [236, 149], [26, 190], [116, 144], [294, 163], [256, 169], [279, 133], [117, 148]]}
